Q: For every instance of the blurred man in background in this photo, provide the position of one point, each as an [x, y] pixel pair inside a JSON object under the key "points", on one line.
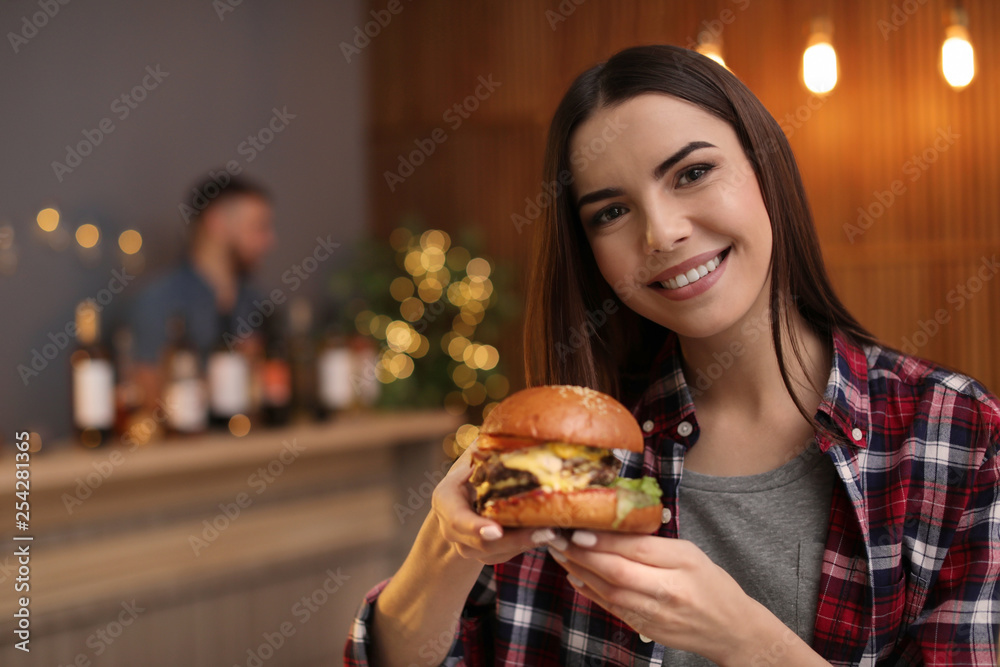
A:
{"points": [[197, 305]]}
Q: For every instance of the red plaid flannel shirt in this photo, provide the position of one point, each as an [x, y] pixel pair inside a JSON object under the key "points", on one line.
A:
{"points": [[912, 561]]}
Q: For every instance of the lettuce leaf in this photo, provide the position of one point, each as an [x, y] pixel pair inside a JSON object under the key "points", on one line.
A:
{"points": [[634, 494]]}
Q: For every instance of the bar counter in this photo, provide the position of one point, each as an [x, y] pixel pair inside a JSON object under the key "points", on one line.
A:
{"points": [[217, 550]]}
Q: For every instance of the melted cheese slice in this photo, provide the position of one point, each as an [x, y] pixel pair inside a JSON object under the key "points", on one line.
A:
{"points": [[546, 463]]}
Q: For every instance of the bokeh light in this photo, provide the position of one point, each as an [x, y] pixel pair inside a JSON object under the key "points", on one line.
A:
{"points": [[48, 219], [399, 335], [130, 241], [362, 322], [435, 239], [412, 308], [456, 347], [466, 435], [239, 425], [401, 288], [378, 325], [430, 290], [400, 238], [463, 376], [87, 235], [475, 394], [432, 259], [478, 268]]}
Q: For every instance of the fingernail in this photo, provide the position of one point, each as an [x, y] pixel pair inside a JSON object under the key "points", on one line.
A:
{"points": [[559, 556], [543, 535], [559, 543], [644, 638], [578, 583], [490, 533], [584, 538]]}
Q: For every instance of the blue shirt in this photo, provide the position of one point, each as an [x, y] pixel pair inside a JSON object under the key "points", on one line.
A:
{"points": [[184, 292]]}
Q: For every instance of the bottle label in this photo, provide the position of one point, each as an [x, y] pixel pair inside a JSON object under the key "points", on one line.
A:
{"points": [[187, 411], [93, 394], [228, 383], [336, 366]]}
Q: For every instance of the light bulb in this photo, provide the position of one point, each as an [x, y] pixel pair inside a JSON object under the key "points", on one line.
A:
{"points": [[819, 61], [713, 50], [958, 62]]}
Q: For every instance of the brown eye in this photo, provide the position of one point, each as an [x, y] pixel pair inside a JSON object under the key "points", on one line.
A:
{"points": [[609, 214], [694, 174]]}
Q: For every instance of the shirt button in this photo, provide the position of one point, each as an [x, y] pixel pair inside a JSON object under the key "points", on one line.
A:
{"points": [[666, 515], [857, 434], [647, 425], [684, 429]]}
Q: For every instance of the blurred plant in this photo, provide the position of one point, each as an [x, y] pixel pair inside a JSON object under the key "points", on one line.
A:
{"points": [[435, 309]]}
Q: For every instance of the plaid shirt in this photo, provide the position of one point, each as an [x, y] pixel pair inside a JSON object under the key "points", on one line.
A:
{"points": [[912, 561]]}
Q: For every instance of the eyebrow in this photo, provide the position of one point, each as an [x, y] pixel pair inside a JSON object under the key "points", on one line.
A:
{"points": [[658, 173]]}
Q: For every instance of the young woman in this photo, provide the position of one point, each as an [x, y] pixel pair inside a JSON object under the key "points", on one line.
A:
{"points": [[827, 500]]}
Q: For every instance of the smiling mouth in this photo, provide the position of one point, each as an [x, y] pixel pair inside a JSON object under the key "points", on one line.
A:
{"points": [[695, 274]]}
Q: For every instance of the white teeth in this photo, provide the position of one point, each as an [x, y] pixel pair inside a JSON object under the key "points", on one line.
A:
{"points": [[693, 275]]}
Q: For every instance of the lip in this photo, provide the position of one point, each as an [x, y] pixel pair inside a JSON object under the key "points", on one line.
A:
{"points": [[698, 287]]}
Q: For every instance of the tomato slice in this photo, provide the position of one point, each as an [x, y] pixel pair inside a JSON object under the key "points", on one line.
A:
{"points": [[489, 443]]}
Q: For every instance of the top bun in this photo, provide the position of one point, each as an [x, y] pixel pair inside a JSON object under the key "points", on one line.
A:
{"points": [[565, 413]]}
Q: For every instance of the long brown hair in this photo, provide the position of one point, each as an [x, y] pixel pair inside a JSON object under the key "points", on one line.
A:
{"points": [[573, 334]]}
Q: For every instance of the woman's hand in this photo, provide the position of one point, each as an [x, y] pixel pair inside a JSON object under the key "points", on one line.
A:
{"points": [[473, 536], [669, 591]]}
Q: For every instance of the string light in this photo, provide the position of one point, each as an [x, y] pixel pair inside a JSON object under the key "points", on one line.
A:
{"points": [[436, 270], [958, 63], [130, 241], [819, 61], [87, 235], [48, 219]]}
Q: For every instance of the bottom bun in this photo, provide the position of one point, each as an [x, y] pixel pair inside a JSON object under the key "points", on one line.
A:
{"points": [[593, 508]]}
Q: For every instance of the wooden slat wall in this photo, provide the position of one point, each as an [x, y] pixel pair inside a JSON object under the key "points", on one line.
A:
{"points": [[890, 105]]}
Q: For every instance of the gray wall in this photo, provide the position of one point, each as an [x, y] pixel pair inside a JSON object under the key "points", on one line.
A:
{"points": [[224, 78]]}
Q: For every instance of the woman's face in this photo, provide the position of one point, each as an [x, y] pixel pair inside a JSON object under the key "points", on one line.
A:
{"points": [[673, 213]]}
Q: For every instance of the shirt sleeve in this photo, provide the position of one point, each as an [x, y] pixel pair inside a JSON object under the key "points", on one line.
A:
{"points": [[472, 644], [958, 623]]}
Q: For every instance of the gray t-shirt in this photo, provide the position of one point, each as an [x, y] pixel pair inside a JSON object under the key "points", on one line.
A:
{"points": [[767, 531]]}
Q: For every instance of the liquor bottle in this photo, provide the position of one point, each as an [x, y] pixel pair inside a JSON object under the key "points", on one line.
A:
{"points": [[364, 355], [229, 378], [275, 376], [128, 395], [93, 381], [335, 375], [302, 358], [184, 393]]}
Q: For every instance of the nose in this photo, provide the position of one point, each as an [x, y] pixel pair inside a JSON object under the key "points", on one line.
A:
{"points": [[666, 227]]}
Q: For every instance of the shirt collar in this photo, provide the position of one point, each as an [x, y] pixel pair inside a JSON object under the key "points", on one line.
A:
{"points": [[667, 402], [846, 402]]}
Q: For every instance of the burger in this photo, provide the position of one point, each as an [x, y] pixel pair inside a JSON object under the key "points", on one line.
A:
{"points": [[544, 458]]}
